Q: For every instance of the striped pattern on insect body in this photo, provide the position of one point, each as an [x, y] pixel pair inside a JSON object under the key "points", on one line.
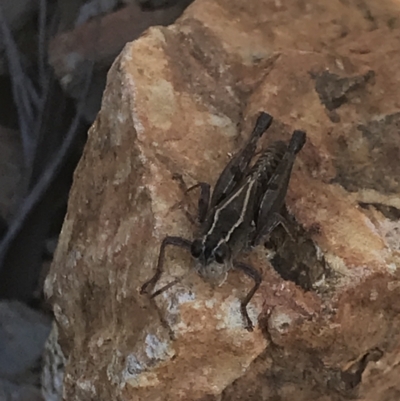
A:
{"points": [[243, 210]]}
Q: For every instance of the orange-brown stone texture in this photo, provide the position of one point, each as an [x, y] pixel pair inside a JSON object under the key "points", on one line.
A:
{"points": [[182, 99]]}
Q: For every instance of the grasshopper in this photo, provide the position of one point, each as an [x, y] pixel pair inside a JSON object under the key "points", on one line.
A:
{"points": [[243, 209]]}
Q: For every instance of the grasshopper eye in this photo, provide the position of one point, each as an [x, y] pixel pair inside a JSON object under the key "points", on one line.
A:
{"points": [[196, 248], [221, 253]]}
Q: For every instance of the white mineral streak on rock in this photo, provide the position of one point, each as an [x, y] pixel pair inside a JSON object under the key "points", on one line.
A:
{"points": [[223, 122], [139, 370], [131, 89], [53, 368], [230, 316], [392, 267], [87, 386], [60, 316], [157, 350], [175, 298], [280, 321], [113, 368], [124, 172]]}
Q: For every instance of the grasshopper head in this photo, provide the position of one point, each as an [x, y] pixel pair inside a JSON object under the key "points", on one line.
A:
{"points": [[213, 261]]}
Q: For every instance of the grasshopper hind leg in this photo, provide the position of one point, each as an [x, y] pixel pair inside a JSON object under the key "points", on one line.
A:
{"points": [[273, 221], [237, 167]]}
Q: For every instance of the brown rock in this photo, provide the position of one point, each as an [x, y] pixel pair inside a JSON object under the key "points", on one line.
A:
{"points": [[173, 103]]}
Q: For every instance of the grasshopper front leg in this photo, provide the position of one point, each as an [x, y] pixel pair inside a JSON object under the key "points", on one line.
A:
{"points": [[174, 241], [203, 205]]}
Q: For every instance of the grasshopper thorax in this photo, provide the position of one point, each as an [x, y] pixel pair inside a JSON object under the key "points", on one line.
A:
{"points": [[212, 260]]}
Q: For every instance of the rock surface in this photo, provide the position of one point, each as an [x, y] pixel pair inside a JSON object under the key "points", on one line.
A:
{"points": [[327, 311]]}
